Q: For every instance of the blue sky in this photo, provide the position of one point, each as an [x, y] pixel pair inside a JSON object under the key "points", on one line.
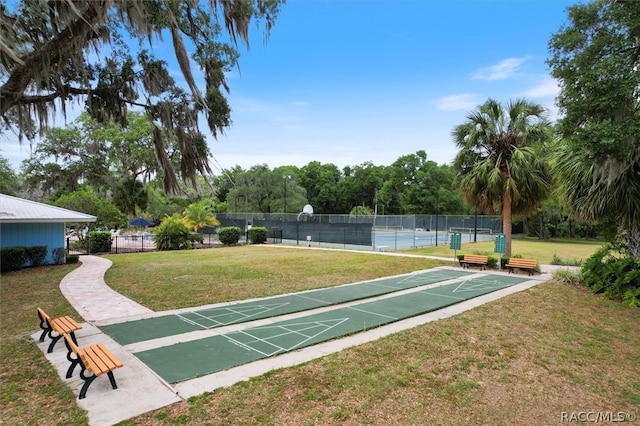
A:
{"points": [[354, 81]]}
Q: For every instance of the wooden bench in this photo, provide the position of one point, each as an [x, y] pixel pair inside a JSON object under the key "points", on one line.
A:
{"points": [[524, 264], [96, 359], [474, 259], [61, 326]]}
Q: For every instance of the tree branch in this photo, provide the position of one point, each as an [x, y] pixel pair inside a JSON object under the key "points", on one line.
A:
{"points": [[12, 92]]}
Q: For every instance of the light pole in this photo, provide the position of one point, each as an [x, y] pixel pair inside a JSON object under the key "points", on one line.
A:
{"points": [[437, 212], [285, 178]]}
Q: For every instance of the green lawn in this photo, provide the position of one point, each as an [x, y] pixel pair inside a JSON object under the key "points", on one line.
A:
{"points": [[524, 359], [529, 248]]}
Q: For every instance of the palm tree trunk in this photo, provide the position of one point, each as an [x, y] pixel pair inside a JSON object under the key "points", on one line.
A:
{"points": [[506, 222], [541, 234]]}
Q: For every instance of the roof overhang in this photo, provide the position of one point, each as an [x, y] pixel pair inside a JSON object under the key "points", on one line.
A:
{"points": [[18, 210]]}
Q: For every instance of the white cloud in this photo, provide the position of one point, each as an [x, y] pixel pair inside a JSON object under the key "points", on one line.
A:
{"points": [[547, 87], [463, 101], [545, 92], [504, 69]]}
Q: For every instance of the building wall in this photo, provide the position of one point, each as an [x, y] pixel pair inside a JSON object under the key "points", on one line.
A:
{"points": [[33, 234]]}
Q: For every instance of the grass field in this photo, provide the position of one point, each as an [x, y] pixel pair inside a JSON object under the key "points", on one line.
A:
{"points": [[529, 248], [524, 359]]}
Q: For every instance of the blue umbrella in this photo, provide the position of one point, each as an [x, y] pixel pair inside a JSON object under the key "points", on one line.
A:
{"points": [[140, 221]]}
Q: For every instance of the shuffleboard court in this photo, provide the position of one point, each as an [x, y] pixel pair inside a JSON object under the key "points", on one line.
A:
{"points": [[203, 319], [183, 361]]}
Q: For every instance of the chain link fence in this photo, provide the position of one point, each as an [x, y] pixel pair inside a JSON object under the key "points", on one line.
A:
{"points": [[377, 233], [373, 233]]}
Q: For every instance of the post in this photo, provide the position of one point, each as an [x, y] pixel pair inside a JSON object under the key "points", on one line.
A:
{"points": [[284, 178], [455, 245], [475, 226], [437, 207], [500, 247], [437, 211]]}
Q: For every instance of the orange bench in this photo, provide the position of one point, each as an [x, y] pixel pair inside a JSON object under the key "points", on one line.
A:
{"points": [[529, 265], [474, 259], [61, 326], [96, 359]]}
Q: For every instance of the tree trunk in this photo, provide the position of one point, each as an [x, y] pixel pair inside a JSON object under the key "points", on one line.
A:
{"points": [[506, 222], [541, 233]]}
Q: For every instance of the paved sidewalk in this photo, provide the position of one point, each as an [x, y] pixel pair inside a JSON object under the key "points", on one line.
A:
{"points": [[140, 390], [94, 300]]}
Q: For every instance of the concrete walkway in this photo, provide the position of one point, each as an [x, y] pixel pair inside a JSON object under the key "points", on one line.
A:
{"points": [[86, 290], [140, 390]]}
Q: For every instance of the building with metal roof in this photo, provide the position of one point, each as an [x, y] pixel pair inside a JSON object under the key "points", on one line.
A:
{"points": [[25, 223]]}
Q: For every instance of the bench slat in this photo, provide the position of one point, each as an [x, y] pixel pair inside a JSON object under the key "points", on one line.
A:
{"points": [[64, 325], [522, 264], [476, 259], [518, 263], [106, 354], [99, 360], [94, 363]]}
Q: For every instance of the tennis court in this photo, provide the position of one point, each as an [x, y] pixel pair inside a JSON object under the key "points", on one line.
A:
{"points": [[183, 361]]}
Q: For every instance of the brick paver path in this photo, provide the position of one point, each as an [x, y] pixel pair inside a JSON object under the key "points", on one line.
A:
{"points": [[86, 290]]}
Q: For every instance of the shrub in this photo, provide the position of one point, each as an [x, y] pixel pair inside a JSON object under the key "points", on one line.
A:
{"points": [[59, 255], [229, 235], [631, 297], [174, 234], [35, 255], [557, 260], [613, 276], [73, 258], [492, 262], [99, 242], [12, 258], [566, 276], [258, 235]]}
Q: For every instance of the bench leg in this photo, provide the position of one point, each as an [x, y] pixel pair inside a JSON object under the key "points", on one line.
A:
{"points": [[74, 362], [44, 333], [72, 357], [89, 380], [54, 340], [112, 380], [85, 386], [72, 367]]}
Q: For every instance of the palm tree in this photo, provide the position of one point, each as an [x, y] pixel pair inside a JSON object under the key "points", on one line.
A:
{"points": [[198, 215], [601, 189], [499, 169]]}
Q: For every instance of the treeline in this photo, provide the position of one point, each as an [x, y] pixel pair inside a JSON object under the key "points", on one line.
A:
{"points": [[411, 185]]}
